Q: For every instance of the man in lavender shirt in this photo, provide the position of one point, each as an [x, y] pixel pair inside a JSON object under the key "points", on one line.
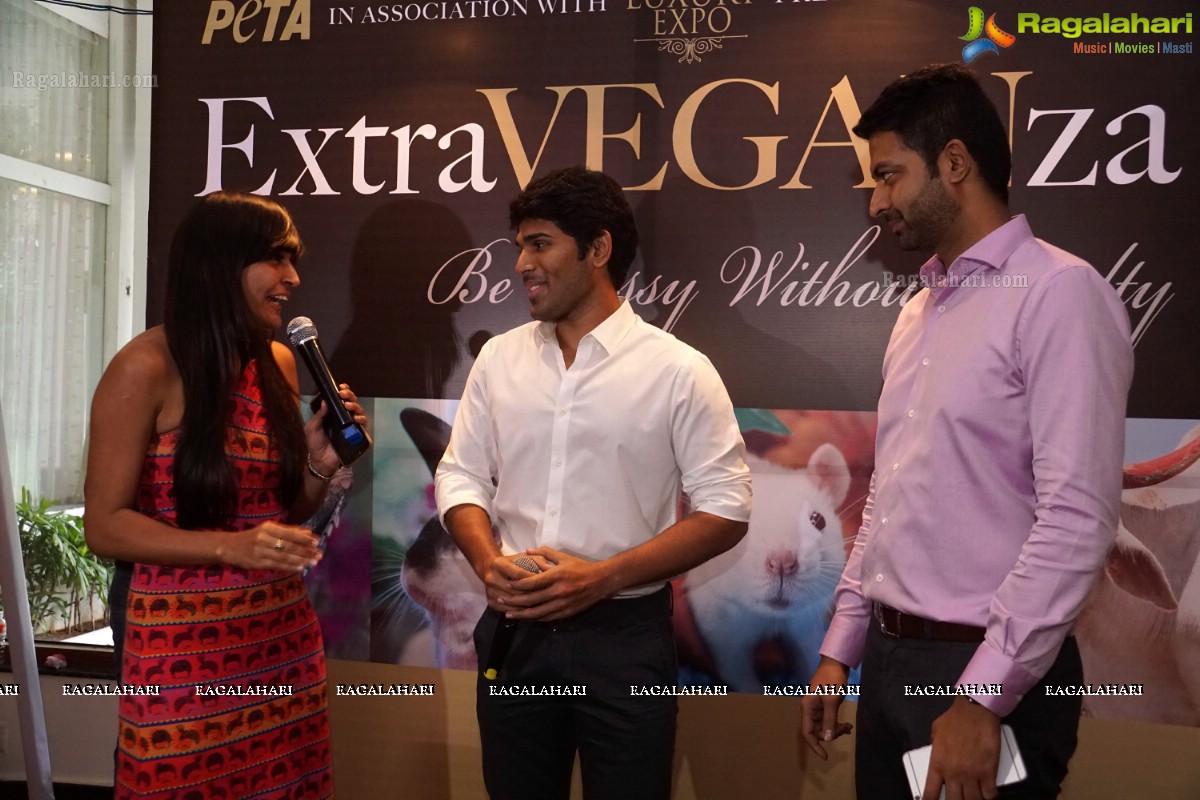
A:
{"points": [[997, 468]]}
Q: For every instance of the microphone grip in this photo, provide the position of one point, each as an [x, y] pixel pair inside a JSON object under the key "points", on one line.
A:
{"points": [[314, 359], [348, 438]]}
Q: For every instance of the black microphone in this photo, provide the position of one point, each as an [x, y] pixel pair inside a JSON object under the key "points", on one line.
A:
{"points": [[348, 438], [505, 631]]}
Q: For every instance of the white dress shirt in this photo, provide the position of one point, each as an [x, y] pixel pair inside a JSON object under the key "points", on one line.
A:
{"points": [[590, 460]]}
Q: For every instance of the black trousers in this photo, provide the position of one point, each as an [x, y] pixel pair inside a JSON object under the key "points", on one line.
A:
{"points": [[625, 742], [889, 723]]}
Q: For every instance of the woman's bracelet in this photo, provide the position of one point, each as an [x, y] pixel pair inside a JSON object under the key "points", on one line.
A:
{"points": [[313, 470]]}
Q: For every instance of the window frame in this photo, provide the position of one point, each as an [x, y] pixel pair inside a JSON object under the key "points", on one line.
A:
{"points": [[124, 194]]}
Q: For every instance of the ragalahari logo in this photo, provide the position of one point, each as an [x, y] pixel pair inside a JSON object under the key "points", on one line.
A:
{"points": [[994, 40]]}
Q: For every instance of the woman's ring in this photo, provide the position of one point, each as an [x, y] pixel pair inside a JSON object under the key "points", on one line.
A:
{"points": [[278, 545]]}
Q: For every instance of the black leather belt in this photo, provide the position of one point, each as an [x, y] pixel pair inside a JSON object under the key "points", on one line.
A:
{"points": [[901, 625]]}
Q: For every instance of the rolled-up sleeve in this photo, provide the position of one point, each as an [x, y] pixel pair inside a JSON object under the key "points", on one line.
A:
{"points": [[708, 446], [465, 474]]}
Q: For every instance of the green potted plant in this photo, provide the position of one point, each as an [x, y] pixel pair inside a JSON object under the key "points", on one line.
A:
{"points": [[64, 577]]}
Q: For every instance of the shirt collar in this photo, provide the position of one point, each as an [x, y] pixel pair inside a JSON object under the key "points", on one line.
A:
{"points": [[991, 251], [608, 334]]}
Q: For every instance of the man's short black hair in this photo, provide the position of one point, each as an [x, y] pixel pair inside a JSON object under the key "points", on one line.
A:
{"points": [[938, 103], [583, 203]]}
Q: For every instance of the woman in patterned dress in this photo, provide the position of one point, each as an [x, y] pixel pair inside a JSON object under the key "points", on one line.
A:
{"points": [[199, 467]]}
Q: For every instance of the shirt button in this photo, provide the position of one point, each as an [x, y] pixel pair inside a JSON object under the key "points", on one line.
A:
{"points": [[562, 412], [925, 361], [912, 412], [941, 309], [558, 462], [895, 466], [883, 521], [554, 512], [879, 578]]}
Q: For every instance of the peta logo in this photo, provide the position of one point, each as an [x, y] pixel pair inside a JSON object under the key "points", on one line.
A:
{"points": [[248, 21], [976, 46]]}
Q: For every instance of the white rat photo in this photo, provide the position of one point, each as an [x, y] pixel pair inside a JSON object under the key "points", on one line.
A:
{"points": [[775, 588]]}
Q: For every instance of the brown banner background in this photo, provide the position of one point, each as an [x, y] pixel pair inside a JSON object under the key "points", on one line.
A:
{"points": [[398, 144]]}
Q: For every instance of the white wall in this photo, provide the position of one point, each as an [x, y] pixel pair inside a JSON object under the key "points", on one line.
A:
{"points": [[82, 733]]}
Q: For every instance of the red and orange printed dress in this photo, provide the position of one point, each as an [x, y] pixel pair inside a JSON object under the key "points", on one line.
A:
{"points": [[237, 654]]}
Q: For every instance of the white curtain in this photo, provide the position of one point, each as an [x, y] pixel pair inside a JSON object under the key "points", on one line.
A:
{"points": [[52, 245]]}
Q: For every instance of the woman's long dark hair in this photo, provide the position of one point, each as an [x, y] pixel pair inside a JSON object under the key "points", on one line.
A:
{"points": [[212, 335]]}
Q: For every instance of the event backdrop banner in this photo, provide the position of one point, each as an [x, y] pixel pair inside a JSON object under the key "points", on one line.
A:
{"points": [[397, 133]]}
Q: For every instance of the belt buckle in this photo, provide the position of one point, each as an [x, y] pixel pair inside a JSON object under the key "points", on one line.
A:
{"points": [[883, 624]]}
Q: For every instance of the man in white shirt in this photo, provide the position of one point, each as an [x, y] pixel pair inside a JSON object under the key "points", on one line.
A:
{"points": [[573, 439]]}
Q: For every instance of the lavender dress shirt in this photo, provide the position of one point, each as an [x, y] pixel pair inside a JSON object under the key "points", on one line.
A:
{"points": [[998, 459]]}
